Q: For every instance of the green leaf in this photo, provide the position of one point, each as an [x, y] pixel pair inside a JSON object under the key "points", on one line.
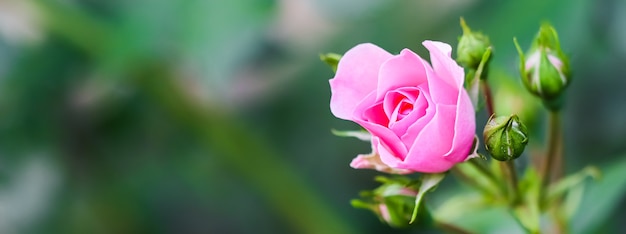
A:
{"points": [[429, 181], [566, 184], [601, 198], [471, 212]]}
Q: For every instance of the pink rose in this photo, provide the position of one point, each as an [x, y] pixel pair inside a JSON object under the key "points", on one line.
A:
{"points": [[420, 117]]}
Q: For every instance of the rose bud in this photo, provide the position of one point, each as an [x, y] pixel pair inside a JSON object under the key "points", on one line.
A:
{"points": [[545, 72], [505, 137], [393, 202], [471, 47]]}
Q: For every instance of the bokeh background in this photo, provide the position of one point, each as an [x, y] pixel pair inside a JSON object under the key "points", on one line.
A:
{"points": [[195, 116]]}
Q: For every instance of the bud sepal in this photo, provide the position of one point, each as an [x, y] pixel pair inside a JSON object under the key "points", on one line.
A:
{"points": [[505, 137]]}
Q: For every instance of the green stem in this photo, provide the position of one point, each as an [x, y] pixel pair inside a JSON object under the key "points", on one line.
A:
{"points": [[549, 166], [509, 172], [557, 155], [467, 179], [553, 169], [488, 97], [484, 170], [507, 168]]}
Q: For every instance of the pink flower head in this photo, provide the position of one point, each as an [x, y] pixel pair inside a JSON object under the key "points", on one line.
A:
{"points": [[420, 117]]}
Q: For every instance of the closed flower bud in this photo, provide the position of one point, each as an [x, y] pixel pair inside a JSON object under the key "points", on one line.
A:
{"points": [[505, 137], [545, 71], [393, 202], [472, 46], [396, 208]]}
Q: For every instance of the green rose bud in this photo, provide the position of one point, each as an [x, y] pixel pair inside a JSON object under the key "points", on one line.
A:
{"points": [[505, 137], [545, 72], [471, 47], [393, 202]]}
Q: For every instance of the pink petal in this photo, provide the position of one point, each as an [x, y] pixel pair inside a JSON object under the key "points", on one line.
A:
{"points": [[441, 92], [373, 119], [419, 110], [387, 138], [388, 157], [443, 65], [464, 129], [435, 140], [384, 212], [372, 161], [403, 70], [356, 77], [414, 129]]}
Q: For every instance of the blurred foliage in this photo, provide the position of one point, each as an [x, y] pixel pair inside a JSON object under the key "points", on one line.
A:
{"points": [[193, 116]]}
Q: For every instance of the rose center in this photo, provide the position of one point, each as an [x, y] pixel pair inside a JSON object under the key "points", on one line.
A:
{"points": [[403, 109]]}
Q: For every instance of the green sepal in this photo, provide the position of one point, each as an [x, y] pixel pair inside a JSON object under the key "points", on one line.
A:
{"points": [[359, 134], [395, 194], [429, 182], [522, 63], [484, 63], [331, 59], [473, 79]]}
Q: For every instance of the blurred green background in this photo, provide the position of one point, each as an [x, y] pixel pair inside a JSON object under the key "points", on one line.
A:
{"points": [[195, 116]]}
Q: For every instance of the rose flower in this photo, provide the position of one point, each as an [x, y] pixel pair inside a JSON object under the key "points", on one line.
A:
{"points": [[420, 117]]}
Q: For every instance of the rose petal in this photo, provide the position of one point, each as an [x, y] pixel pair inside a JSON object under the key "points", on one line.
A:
{"points": [[440, 91], [371, 119], [372, 161], [375, 114], [393, 98], [443, 65], [419, 110], [414, 129], [435, 139], [403, 70], [464, 129], [356, 77], [388, 156], [387, 138]]}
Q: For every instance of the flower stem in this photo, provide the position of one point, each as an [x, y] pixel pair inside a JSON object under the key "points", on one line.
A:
{"points": [[557, 155], [552, 161], [507, 168], [553, 167], [467, 179], [488, 97], [484, 170], [509, 172]]}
